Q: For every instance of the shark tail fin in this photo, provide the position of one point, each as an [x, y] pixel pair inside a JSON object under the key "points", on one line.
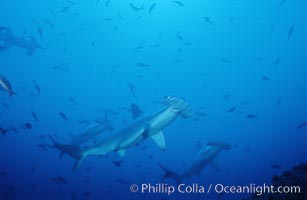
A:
{"points": [[73, 151], [170, 174]]}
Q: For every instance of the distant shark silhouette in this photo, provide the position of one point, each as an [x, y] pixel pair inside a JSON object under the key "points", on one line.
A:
{"points": [[144, 126], [9, 40], [204, 157]]}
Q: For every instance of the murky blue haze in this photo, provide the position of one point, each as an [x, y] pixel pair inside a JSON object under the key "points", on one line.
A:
{"points": [[239, 64]]}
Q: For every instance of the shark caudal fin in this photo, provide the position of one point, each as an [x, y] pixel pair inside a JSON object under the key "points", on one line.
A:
{"points": [[170, 174], [73, 151]]}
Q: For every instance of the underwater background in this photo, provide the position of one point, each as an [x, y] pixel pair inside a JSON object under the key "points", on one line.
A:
{"points": [[239, 64]]}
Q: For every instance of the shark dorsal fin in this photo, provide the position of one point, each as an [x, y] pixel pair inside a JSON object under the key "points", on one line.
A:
{"points": [[136, 111], [121, 152], [159, 139]]}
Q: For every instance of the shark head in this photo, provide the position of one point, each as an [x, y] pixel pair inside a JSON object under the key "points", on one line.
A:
{"points": [[178, 105]]}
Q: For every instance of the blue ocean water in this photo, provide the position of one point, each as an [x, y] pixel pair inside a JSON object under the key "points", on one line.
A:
{"points": [[240, 65]]}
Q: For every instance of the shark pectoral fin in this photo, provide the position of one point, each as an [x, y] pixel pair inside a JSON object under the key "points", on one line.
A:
{"points": [[215, 166], [160, 140], [121, 152]]}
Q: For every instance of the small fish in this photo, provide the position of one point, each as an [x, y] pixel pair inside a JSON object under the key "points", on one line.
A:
{"points": [[142, 65], [49, 23], [87, 194], [281, 3], [61, 66], [138, 166], [152, 7], [138, 47], [277, 61], [137, 18], [209, 21], [275, 166], [33, 168], [196, 119], [61, 34], [107, 19], [135, 8], [41, 136], [87, 122], [114, 29], [278, 102], [226, 61], [107, 3], [71, 2], [6, 86], [201, 114], [251, 116], [290, 32], [3, 131], [34, 187], [78, 29], [5, 106], [179, 35], [63, 9], [43, 147], [40, 33], [118, 163], [121, 17], [88, 169], [155, 45], [34, 115], [188, 43], [74, 196], [232, 109], [226, 97], [63, 116], [3, 173], [302, 125], [179, 3], [27, 126], [55, 180], [37, 87], [62, 179], [265, 78], [72, 100], [11, 188]]}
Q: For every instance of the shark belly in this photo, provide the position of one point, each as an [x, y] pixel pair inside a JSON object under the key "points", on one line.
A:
{"points": [[133, 134]]}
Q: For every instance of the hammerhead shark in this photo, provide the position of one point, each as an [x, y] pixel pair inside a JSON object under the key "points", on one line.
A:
{"points": [[144, 126], [204, 157], [9, 40]]}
